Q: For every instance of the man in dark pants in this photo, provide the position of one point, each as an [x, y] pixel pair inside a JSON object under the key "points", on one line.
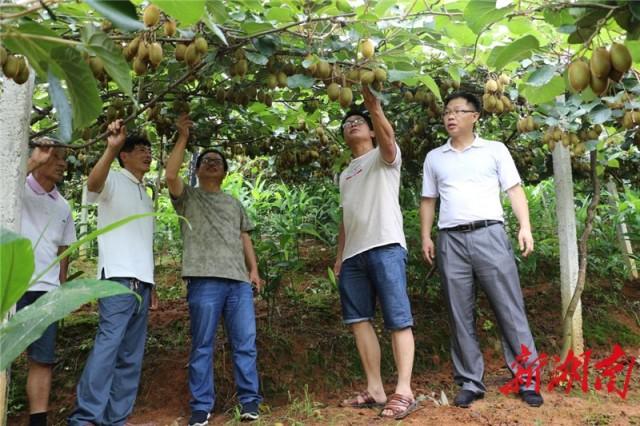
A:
{"points": [[467, 173], [108, 386]]}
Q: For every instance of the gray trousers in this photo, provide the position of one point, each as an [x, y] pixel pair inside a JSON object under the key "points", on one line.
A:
{"points": [[481, 257]]}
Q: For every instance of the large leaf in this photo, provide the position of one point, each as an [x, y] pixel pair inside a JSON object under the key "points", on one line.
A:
{"points": [[542, 75], [187, 12], [102, 46], [29, 323], [546, 93], [431, 85], [516, 51], [599, 114], [210, 23], [300, 80], [16, 268], [83, 92], [480, 13], [61, 107], [122, 13]]}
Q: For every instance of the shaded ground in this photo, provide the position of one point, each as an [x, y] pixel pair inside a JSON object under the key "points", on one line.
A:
{"points": [[308, 362]]}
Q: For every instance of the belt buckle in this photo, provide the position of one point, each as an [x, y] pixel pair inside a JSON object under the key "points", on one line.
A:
{"points": [[466, 227]]}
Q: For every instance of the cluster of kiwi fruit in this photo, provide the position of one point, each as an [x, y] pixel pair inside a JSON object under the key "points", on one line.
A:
{"points": [[575, 142], [605, 65], [526, 124], [494, 100]]}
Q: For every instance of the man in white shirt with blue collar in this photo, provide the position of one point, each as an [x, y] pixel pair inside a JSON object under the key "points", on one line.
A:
{"points": [[46, 220], [468, 173], [108, 387]]}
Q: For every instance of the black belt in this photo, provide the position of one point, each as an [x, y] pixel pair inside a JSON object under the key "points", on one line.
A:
{"points": [[472, 226]]}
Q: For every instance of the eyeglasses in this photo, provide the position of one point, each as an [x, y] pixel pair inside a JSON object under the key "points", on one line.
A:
{"points": [[212, 161], [353, 123], [456, 112]]}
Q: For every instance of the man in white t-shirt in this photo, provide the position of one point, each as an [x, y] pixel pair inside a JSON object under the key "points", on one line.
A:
{"points": [[108, 387], [46, 220], [467, 174], [372, 256]]}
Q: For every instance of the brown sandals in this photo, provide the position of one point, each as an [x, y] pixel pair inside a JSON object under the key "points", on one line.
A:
{"points": [[400, 406]]}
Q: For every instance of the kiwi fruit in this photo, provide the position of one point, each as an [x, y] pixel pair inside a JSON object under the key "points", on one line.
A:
{"points": [[151, 15]]}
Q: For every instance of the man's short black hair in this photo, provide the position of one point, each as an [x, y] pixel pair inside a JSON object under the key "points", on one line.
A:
{"points": [[359, 112], [215, 151], [130, 144], [467, 96]]}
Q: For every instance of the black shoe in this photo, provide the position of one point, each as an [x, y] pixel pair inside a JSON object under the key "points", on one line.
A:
{"points": [[533, 398], [250, 412], [199, 418], [465, 398]]}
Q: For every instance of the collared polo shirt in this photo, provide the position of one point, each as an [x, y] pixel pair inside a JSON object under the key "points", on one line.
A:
{"points": [[126, 251], [468, 182], [46, 220], [369, 191]]}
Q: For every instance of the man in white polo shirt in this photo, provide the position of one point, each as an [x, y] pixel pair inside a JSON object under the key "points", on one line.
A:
{"points": [[372, 256], [47, 222], [468, 173], [108, 387]]}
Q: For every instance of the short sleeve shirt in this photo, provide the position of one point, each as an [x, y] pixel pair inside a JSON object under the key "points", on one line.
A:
{"points": [[46, 220], [212, 243], [469, 182], [126, 251], [369, 191]]}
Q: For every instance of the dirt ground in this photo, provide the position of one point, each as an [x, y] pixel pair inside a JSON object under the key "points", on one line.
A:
{"points": [[308, 364]]}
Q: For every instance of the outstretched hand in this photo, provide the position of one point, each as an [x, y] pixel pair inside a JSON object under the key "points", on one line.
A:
{"points": [[184, 125], [41, 154], [117, 134], [370, 101]]}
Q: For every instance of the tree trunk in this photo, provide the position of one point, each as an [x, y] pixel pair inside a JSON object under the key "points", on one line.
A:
{"points": [[621, 230], [15, 112], [567, 333], [565, 211]]}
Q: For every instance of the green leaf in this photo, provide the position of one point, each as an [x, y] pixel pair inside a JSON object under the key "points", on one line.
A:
{"points": [[300, 80], [81, 85], [431, 84], [16, 259], [558, 18], [253, 28], [541, 76], [256, 58], [62, 108], [209, 22], [344, 6], [279, 14], [581, 35], [634, 7], [122, 13], [634, 49], [99, 43], [398, 75], [516, 51], [599, 114], [613, 163], [480, 13], [29, 323], [454, 72], [187, 12], [546, 93]]}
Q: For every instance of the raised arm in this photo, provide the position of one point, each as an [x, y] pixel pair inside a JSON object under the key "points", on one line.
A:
{"points": [[174, 162], [39, 157], [385, 136], [115, 141]]}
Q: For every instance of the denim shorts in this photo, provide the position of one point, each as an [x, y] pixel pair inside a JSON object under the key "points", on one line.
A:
{"points": [[42, 350], [381, 272]]}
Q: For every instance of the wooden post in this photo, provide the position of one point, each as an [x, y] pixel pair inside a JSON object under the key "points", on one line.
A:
{"points": [[15, 112], [567, 238], [621, 230]]}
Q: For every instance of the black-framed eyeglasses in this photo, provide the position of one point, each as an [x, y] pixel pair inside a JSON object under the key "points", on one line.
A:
{"points": [[353, 123], [456, 112], [212, 161]]}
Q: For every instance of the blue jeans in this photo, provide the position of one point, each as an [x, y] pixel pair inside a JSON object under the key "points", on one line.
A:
{"points": [[381, 272], [43, 350], [208, 299], [108, 387]]}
